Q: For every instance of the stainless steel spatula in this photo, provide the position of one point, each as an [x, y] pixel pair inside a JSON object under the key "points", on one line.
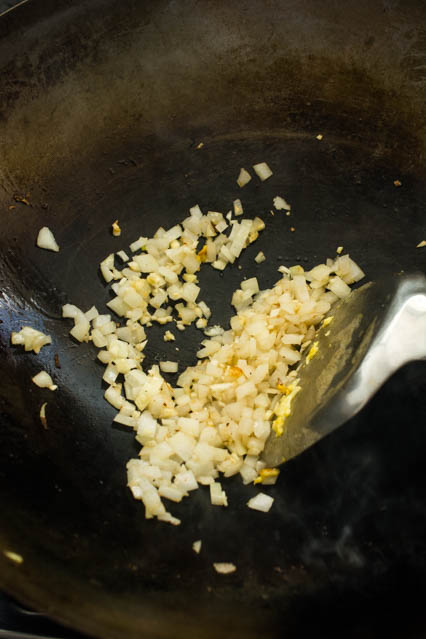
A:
{"points": [[374, 331]]}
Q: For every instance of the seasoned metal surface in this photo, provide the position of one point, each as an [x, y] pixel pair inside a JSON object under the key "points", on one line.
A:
{"points": [[18, 622], [102, 107], [9, 5]]}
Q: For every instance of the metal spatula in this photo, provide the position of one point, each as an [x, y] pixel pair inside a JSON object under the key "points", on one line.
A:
{"points": [[374, 331]]}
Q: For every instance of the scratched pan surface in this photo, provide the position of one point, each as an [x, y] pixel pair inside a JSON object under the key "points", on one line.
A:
{"points": [[102, 107]]}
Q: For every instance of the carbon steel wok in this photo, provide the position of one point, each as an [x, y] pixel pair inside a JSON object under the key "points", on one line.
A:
{"points": [[102, 106]]}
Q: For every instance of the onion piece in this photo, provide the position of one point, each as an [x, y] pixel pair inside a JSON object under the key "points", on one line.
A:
{"points": [[168, 518], [13, 556], [91, 313], [123, 256], [243, 178], [116, 230], [261, 502], [43, 415], [238, 207], [30, 338], [196, 546], [262, 170], [114, 397], [195, 211], [43, 380], [337, 286], [169, 367], [280, 204], [214, 331], [81, 328], [125, 420], [46, 240], [217, 495], [138, 244], [224, 568]]}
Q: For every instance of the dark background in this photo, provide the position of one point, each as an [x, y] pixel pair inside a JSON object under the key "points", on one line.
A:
{"points": [[13, 617]]}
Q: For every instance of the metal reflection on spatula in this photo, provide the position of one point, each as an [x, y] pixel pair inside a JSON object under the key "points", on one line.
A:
{"points": [[376, 330]]}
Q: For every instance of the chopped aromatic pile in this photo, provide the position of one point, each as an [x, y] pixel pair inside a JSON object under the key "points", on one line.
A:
{"points": [[217, 418]]}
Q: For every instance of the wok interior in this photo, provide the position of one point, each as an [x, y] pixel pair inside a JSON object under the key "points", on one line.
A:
{"points": [[102, 111]]}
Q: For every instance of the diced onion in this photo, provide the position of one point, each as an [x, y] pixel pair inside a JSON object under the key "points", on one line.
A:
{"points": [[43, 415], [138, 244], [30, 338], [123, 256], [262, 170], [280, 204], [169, 367], [116, 230], [337, 286], [217, 495], [13, 556], [46, 240], [224, 568], [43, 380], [261, 502], [196, 546], [217, 419], [243, 178], [238, 207]]}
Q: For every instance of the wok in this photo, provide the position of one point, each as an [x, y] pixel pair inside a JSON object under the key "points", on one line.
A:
{"points": [[102, 107]]}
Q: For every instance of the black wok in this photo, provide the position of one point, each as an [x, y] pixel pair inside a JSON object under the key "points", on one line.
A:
{"points": [[102, 106]]}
